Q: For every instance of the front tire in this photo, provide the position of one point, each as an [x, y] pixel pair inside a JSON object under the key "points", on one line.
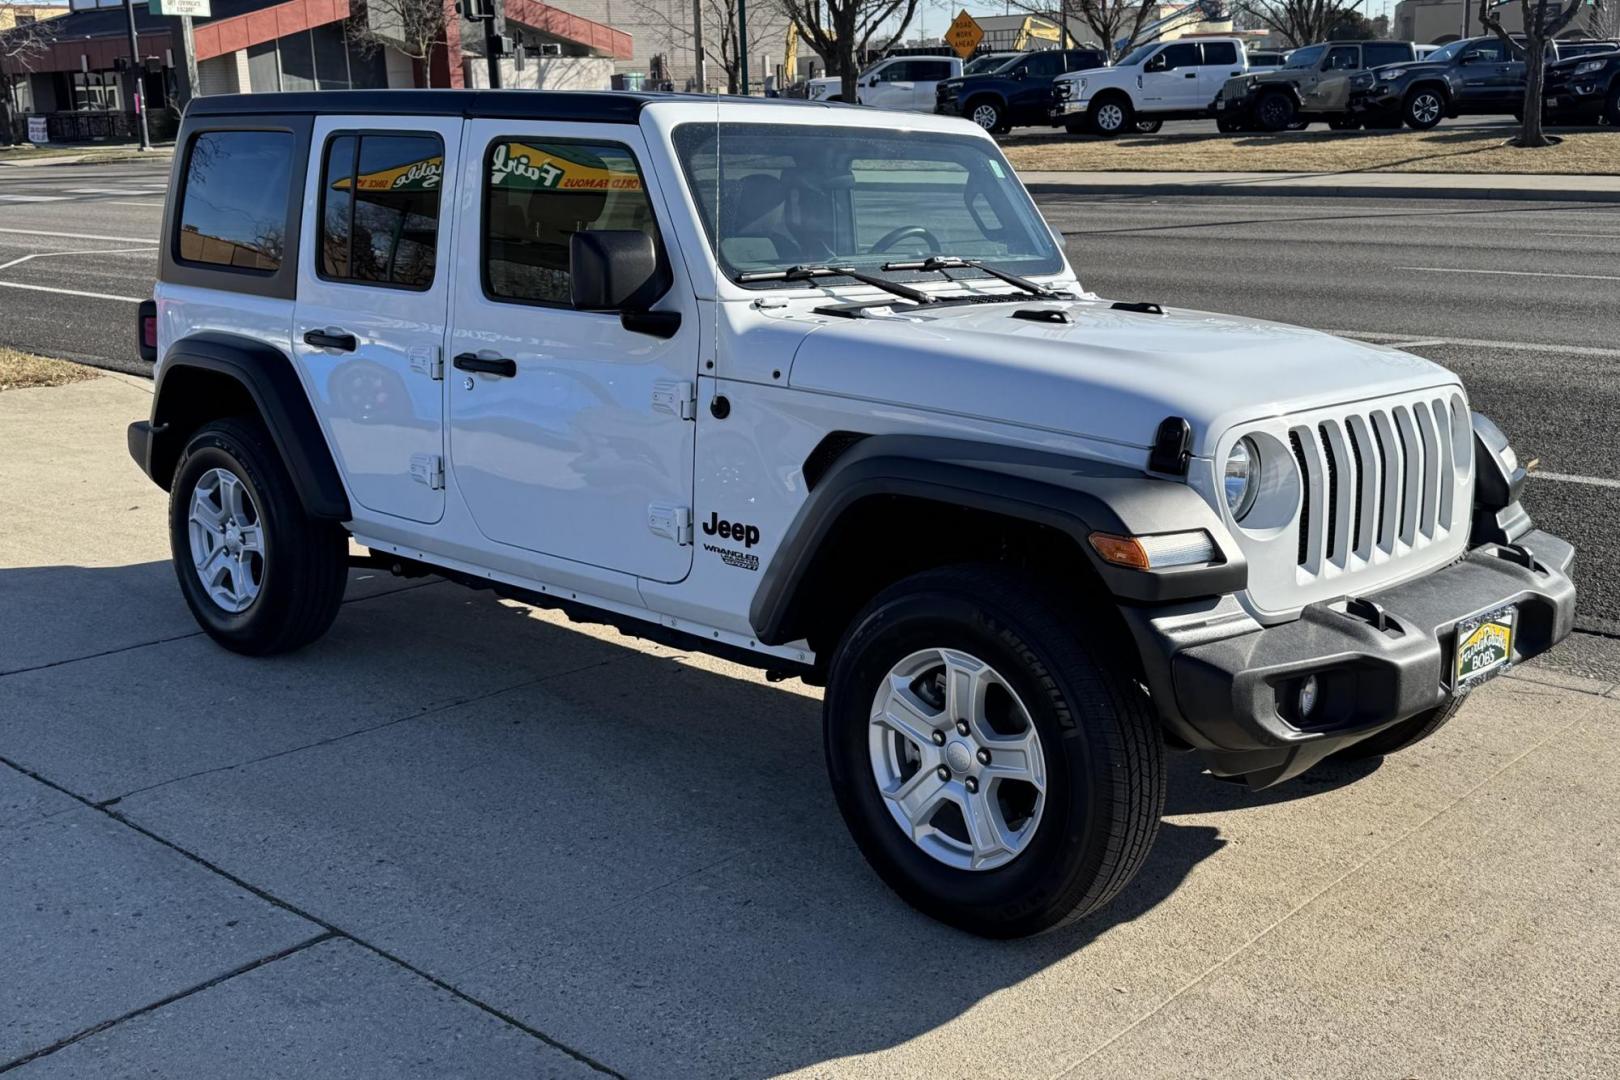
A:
{"points": [[1398, 737], [1111, 115], [260, 576], [989, 115], [1275, 111], [1424, 109], [993, 760]]}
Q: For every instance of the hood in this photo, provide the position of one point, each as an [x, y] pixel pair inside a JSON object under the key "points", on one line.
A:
{"points": [[1409, 65], [1571, 61], [1106, 374]]}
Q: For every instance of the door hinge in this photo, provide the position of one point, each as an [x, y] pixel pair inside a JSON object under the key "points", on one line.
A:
{"points": [[426, 360], [428, 469], [675, 522], [676, 398]]}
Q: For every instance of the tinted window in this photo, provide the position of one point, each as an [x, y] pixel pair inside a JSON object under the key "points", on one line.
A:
{"points": [[537, 195], [930, 70], [1305, 58], [899, 71], [380, 208], [1220, 52], [1487, 51], [234, 210], [1388, 52], [1085, 60], [1045, 65], [1341, 58], [1180, 55]]}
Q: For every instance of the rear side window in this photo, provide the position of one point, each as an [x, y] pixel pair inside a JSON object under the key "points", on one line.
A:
{"points": [[537, 194], [380, 208], [1220, 52], [233, 211], [930, 70], [1391, 52]]}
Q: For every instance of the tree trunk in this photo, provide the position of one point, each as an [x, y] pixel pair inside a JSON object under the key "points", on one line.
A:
{"points": [[849, 65], [1535, 75]]}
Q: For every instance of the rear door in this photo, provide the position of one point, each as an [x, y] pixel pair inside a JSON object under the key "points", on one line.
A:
{"points": [[570, 434], [1221, 62], [373, 295], [926, 76]]}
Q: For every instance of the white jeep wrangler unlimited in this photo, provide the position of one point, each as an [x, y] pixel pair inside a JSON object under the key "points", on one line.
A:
{"points": [[797, 386]]}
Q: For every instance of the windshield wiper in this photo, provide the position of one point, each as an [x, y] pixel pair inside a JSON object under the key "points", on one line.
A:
{"points": [[942, 263], [805, 273]]}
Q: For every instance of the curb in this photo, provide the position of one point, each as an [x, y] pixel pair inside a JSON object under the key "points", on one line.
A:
{"points": [[113, 157], [1325, 191]]}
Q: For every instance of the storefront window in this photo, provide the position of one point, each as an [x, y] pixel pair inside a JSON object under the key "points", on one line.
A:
{"points": [[95, 91]]}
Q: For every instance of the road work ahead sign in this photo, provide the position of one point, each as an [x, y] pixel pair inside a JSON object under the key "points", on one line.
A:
{"points": [[964, 35]]}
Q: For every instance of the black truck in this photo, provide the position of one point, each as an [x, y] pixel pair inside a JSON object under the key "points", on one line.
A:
{"points": [[1584, 90], [1016, 94]]}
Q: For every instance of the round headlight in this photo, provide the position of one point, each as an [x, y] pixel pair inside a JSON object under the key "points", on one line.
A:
{"points": [[1241, 479]]}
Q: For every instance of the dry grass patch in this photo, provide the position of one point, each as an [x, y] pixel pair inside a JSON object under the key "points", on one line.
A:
{"points": [[20, 371], [1590, 152]]}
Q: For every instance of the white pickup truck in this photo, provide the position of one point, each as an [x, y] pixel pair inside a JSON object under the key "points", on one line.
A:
{"points": [[906, 83], [1167, 80], [812, 391]]}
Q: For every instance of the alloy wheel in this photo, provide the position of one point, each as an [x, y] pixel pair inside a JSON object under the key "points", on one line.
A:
{"points": [[1426, 109], [987, 116], [1110, 118], [227, 540], [957, 759]]}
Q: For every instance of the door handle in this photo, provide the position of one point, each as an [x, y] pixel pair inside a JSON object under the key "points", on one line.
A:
{"points": [[1190, 75], [331, 339], [499, 365]]}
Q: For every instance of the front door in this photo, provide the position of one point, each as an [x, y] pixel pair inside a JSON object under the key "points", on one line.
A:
{"points": [[1170, 78], [1332, 90], [891, 86], [569, 434], [1032, 91], [374, 284]]}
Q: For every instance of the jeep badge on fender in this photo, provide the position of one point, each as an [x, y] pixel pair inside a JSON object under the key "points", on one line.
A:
{"points": [[938, 462]]}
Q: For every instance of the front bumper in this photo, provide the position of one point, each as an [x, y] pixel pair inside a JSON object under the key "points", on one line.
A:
{"points": [[1381, 98], [1574, 101], [1225, 685]]}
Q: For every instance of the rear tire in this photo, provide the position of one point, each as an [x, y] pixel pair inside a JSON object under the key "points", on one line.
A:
{"points": [[1424, 108], [1343, 123], [1398, 737], [260, 575], [1229, 126], [1275, 111], [1024, 665], [1611, 108], [1148, 127], [1111, 115]]}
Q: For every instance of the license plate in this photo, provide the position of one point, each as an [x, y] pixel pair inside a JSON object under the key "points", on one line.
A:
{"points": [[1220, 105], [1484, 647]]}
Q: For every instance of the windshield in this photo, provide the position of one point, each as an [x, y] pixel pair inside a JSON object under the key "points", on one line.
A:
{"points": [[990, 62], [1305, 58], [1448, 51], [779, 195], [1139, 54]]}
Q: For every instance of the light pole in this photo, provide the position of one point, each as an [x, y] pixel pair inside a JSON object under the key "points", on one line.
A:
{"points": [[742, 41], [137, 76], [697, 47]]}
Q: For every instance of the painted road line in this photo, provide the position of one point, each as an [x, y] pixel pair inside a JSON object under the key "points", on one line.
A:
{"points": [[33, 198], [1566, 478], [70, 292], [105, 191], [1508, 273], [59, 254], [1385, 338], [79, 236]]}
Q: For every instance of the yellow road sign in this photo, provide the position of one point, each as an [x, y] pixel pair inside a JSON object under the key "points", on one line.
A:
{"points": [[964, 35]]}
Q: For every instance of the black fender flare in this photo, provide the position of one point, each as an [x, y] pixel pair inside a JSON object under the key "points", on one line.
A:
{"points": [[1073, 495], [268, 377], [994, 97]]}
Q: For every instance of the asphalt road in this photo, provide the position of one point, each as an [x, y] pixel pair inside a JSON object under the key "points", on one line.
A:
{"points": [[1519, 298]]}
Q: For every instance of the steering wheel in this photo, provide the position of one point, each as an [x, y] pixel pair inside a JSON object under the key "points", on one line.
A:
{"points": [[905, 232]]}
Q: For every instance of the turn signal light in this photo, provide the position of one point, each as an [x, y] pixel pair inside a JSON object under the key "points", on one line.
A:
{"points": [[1159, 552]]}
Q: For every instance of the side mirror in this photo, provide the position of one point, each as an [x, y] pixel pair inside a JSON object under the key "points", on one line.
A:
{"points": [[1158, 63], [619, 270]]}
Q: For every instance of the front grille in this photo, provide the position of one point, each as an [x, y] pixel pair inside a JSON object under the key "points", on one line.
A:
{"points": [[1380, 482]]}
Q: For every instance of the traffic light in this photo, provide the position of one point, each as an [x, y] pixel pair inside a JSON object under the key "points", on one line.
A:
{"points": [[475, 10]]}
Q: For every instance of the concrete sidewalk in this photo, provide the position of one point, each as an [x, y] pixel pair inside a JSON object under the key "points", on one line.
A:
{"points": [[459, 838], [1404, 185]]}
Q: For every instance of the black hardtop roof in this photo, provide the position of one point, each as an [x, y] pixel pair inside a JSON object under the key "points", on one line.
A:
{"points": [[601, 106]]}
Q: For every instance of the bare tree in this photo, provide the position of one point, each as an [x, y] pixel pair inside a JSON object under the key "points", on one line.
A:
{"points": [[1302, 22], [1111, 22], [722, 47], [843, 31], [1603, 21], [1543, 21], [410, 27], [21, 38]]}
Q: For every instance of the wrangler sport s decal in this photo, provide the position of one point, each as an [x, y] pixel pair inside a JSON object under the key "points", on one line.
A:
{"points": [[738, 532]]}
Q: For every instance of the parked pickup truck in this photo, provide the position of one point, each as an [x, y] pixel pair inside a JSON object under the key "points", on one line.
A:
{"points": [[1584, 89], [906, 83], [1159, 81], [1469, 77], [1016, 94], [1314, 84], [818, 393]]}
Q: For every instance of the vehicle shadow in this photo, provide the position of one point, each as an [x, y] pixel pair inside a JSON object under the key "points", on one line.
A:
{"points": [[688, 793]]}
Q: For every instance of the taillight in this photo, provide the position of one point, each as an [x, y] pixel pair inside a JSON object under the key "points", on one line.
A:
{"points": [[146, 331]]}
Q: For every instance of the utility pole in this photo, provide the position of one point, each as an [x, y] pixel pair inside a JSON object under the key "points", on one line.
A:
{"points": [[697, 47], [188, 59], [495, 41], [742, 41], [137, 76]]}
